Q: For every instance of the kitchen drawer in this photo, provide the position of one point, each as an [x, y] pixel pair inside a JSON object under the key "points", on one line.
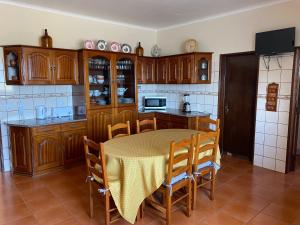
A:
{"points": [[144, 116], [162, 116], [73, 126], [42, 130], [178, 119]]}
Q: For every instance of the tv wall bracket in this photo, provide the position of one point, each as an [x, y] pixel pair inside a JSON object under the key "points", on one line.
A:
{"points": [[267, 60]]}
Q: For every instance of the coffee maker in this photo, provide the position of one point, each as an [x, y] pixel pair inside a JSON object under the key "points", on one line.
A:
{"points": [[186, 103]]}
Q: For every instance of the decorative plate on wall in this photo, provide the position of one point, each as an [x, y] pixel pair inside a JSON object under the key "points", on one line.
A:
{"points": [[88, 44], [115, 47], [102, 45], [126, 48]]}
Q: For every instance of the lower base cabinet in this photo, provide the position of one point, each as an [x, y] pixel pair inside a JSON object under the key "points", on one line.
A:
{"points": [[38, 150]]}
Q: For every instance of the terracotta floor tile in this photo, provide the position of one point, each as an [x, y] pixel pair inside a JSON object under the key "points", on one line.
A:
{"points": [[262, 219], [38, 194], [14, 212], [282, 212], [38, 204], [54, 215], [223, 218], [241, 212], [29, 220]]}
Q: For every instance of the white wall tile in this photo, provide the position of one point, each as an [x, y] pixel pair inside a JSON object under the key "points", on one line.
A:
{"points": [[274, 76], [259, 138], [260, 115], [270, 140], [200, 99], [51, 102], [281, 154], [286, 76], [283, 130], [208, 100], [287, 62], [258, 160], [282, 142], [261, 103], [26, 90], [2, 77], [6, 154], [12, 104], [269, 163], [12, 90], [259, 149], [283, 117], [284, 105], [260, 127], [271, 128], [39, 102], [285, 89], [263, 76], [280, 166], [262, 88], [61, 101], [271, 117], [269, 152]]}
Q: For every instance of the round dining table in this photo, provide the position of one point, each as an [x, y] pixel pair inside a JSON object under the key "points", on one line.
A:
{"points": [[136, 166]]}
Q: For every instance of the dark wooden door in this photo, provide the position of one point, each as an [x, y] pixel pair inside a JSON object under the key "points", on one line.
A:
{"points": [[161, 71], [65, 67], [241, 75], [37, 66]]}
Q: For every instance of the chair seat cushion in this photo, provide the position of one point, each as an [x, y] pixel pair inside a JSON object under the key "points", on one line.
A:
{"points": [[208, 164], [177, 178]]}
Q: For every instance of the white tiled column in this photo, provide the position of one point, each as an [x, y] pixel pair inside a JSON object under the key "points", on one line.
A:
{"points": [[272, 127]]}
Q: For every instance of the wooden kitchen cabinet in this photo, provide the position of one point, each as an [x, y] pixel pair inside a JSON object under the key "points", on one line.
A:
{"points": [[38, 66], [187, 68], [173, 70], [146, 70], [161, 70], [41, 149], [65, 67], [203, 65], [123, 114]]}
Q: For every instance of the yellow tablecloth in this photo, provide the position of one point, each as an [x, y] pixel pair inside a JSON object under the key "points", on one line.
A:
{"points": [[139, 164]]}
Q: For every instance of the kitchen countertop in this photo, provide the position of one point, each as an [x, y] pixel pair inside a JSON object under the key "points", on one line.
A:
{"points": [[48, 121], [176, 112]]}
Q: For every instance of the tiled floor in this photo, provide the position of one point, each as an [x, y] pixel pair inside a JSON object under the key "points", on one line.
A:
{"points": [[244, 195]]}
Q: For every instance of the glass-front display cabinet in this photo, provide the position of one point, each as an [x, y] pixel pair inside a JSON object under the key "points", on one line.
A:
{"points": [[125, 80], [99, 81], [203, 68], [12, 59]]}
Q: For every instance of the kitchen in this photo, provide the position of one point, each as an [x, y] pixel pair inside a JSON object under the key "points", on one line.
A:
{"points": [[19, 102]]}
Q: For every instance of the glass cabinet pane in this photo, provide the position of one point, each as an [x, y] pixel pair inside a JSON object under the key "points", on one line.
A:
{"points": [[99, 81], [203, 69], [125, 81], [12, 66]]}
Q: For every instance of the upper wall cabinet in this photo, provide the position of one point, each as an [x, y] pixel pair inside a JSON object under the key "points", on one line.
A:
{"points": [[34, 65], [146, 70]]}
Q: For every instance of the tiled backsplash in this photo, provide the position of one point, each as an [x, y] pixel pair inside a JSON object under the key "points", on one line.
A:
{"points": [[272, 127], [19, 102]]}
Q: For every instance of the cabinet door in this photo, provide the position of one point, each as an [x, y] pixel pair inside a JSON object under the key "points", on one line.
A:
{"points": [[187, 68], [139, 63], [65, 67], [161, 71], [37, 66], [97, 124], [72, 142], [148, 70], [123, 114], [21, 151], [176, 125], [173, 70], [47, 151], [203, 66]]}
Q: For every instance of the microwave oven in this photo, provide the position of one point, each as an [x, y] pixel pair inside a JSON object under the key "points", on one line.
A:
{"points": [[155, 103]]}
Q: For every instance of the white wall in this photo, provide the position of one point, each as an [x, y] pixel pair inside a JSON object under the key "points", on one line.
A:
{"points": [[25, 26]]}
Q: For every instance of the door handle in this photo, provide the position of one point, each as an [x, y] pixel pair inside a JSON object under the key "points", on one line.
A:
{"points": [[226, 109]]}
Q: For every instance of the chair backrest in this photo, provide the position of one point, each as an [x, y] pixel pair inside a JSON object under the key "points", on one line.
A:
{"points": [[206, 124], [147, 124], [177, 156], [118, 127], [206, 142], [96, 165]]}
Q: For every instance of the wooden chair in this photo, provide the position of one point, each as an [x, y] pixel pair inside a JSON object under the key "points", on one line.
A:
{"points": [[117, 127], [204, 169], [206, 124], [97, 176], [145, 123], [178, 184]]}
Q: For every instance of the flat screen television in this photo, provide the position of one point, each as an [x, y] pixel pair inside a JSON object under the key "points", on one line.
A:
{"points": [[275, 42]]}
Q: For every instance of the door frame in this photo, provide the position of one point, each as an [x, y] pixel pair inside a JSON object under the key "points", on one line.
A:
{"points": [[293, 115], [221, 95]]}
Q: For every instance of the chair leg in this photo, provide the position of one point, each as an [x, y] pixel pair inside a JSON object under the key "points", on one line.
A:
{"points": [[91, 200], [194, 192], [107, 207], [212, 186], [189, 200], [168, 209]]}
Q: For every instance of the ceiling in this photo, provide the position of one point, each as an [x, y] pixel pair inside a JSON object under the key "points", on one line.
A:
{"points": [[154, 14]]}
